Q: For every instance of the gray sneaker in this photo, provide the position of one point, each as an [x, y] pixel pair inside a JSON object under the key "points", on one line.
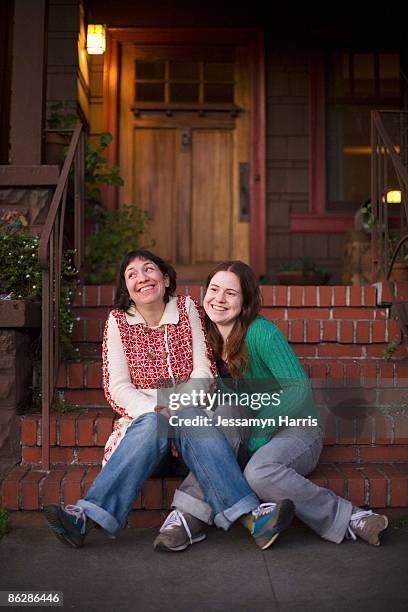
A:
{"points": [[367, 525], [179, 531]]}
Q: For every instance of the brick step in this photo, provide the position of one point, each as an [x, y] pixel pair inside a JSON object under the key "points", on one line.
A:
{"points": [[349, 395], [365, 372], [296, 325], [78, 438], [368, 296], [375, 484]]}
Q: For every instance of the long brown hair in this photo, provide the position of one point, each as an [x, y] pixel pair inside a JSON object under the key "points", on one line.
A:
{"points": [[236, 352], [122, 299]]}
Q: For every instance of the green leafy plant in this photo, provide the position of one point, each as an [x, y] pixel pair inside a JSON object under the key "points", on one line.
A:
{"points": [[367, 210], [390, 349], [306, 265], [119, 231], [21, 274], [61, 116], [402, 255], [97, 170], [4, 522]]}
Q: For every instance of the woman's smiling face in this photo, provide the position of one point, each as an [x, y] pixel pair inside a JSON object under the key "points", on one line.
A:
{"points": [[145, 282], [223, 298]]}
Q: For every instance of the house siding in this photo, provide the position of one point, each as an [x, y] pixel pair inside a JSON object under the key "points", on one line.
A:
{"points": [[287, 161]]}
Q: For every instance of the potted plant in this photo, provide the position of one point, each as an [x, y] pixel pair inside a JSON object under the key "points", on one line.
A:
{"points": [[21, 280], [399, 271], [60, 123], [302, 272]]}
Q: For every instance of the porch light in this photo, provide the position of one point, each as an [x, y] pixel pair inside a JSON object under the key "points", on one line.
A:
{"points": [[393, 196], [96, 39]]}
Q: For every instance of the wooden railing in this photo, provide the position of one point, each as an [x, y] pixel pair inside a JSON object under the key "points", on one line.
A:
{"points": [[389, 169], [50, 257]]}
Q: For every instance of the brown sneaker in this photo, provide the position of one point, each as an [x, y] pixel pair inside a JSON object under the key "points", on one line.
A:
{"points": [[367, 525], [179, 531]]}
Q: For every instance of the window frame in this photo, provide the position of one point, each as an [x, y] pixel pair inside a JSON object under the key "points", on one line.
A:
{"points": [[319, 219]]}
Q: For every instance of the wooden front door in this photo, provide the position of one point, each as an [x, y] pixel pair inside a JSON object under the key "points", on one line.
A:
{"points": [[184, 151]]}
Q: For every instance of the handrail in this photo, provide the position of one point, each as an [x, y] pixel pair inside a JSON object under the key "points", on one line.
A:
{"points": [[383, 149], [56, 200], [50, 259], [396, 160]]}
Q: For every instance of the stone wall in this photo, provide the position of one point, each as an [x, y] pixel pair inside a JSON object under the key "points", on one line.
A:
{"points": [[32, 203], [15, 383]]}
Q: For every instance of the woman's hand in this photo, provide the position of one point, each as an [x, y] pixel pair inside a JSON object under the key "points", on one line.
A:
{"points": [[164, 410], [174, 449]]}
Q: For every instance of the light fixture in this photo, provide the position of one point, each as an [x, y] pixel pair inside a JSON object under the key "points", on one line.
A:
{"points": [[393, 196], [96, 39]]}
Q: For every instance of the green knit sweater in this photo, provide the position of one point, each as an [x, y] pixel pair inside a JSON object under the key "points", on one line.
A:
{"points": [[273, 366]]}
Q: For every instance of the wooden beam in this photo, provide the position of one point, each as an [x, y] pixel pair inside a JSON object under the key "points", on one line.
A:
{"points": [[28, 176], [27, 85]]}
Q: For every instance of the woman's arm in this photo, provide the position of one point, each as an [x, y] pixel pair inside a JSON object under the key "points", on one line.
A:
{"points": [[120, 392], [274, 351], [270, 351]]}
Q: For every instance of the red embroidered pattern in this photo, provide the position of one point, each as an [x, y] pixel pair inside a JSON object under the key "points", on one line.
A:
{"points": [[146, 355], [145, 351]]}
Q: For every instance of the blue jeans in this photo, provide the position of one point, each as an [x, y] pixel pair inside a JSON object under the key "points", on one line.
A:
{"points": [[276, 471], [206, 452]]}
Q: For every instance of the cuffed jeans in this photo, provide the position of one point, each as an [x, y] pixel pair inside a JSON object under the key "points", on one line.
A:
{"points": [[277, 471], [206, 452]]}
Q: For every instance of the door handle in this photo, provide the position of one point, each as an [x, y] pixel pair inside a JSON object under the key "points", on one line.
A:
{"points": [[244, 195], [185, 140]]}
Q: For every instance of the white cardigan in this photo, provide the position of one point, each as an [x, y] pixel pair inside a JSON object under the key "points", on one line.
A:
{"points": [[124, 393]]}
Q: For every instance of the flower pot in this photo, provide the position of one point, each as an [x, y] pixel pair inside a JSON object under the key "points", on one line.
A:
{"points": [[298, 277], [54, 147], [20, 313], [399, 272]]}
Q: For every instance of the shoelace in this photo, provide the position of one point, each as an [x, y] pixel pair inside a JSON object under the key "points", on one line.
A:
{"points": [[79, 515], [263, 509], [357, 521], [176, 518]]}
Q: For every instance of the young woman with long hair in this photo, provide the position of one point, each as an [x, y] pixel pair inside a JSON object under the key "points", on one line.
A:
{"points": [[251, 353]]}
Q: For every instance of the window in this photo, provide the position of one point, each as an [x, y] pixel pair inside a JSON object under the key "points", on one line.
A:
{"points": [[184, 82], [356, 83]]}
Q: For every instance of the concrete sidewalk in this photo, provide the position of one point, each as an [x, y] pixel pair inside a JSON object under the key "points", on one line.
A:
{"points": [[227, 572]]}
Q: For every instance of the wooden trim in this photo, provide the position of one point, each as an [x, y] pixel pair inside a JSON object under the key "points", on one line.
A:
{"points": [[184, 36], [221, 36], [317, 169], [320, 223], [110, 112], [28, 176]]}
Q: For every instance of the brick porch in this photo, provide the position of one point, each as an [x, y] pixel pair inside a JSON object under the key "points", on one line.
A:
{"points": [[338, 333]]}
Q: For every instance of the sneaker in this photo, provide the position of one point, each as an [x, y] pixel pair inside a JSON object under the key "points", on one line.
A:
{"points": [[68, 524], [269, 520], [367, 525], [179, 531]]}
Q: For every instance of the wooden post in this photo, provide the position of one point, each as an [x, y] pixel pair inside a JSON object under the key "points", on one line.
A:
{"points": [[28, 86]]}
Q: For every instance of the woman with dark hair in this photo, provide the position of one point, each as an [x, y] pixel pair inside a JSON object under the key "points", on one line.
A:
{"points": [[252, 354], [153, 341]]}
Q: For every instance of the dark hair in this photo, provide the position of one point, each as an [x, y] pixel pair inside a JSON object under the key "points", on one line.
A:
{"points": [[122, 299], [236, 352]]}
